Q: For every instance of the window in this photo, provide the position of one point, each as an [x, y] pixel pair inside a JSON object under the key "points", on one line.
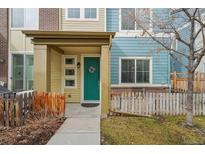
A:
{"points": [[22, 72], [135, 70], [73, 13], [129, 15], [90, 13], [24, 18], [70, 74], [81, 13]]}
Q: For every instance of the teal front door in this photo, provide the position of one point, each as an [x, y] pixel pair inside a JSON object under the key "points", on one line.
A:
{"points": [[91, 78]]}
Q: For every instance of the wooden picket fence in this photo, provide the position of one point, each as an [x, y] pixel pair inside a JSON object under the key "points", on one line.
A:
{"points": [[179, 82], [147, 104], [15, 107], [50, 103]]}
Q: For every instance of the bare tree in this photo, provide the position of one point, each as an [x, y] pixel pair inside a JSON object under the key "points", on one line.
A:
{"points": [[171, 25]]}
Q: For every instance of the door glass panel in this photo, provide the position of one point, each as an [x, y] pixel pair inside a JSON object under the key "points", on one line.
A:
{"points": [[29, 72], [18, 71], [69, 83], [70, 61]]}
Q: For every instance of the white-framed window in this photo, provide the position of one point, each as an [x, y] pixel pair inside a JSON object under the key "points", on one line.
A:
{"points": [[24, 18], [81, 14], [135, 70], [70, 72], [129, 15], [22, 71]]}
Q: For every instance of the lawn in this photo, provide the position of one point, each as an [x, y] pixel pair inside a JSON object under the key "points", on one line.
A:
{"points": [[159, 130]]}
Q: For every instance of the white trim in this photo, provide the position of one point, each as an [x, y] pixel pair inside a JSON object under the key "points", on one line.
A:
{"points": [[136, 58], [82, 77], [73, 66], [23, 28], [138, 85], [82, 15], [105, 19]]}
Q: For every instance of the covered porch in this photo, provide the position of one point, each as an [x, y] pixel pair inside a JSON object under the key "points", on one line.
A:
{"points": [[74, 63]]}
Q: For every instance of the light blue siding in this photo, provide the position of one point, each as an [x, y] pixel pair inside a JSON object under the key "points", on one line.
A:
{"points": [[125, 47], [112, 15]]}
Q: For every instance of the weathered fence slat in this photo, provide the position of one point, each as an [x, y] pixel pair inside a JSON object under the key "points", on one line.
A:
{"points": [[15, 107], [157, 103]]}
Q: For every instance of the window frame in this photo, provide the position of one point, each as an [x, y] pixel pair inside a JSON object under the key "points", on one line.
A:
{"points": [[82, 15], [136, 30], [70, 66], [135, 58], [24, 53], [23, 28]]}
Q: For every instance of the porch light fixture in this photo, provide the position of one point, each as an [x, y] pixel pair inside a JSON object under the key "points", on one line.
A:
{"points": [[78, 65]]}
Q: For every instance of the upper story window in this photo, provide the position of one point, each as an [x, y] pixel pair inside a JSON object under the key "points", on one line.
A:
{"points": [[26, 18], [82, 14], [130, 15]]}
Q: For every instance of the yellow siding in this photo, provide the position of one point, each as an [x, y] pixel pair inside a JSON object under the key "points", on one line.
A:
{"points": [[105, 79], [55, 73], [40, 68], [83, 25], [18, 41], [74, 95]]}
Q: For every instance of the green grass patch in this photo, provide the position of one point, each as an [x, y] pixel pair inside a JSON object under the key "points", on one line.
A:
{"points": [[142, 130]]}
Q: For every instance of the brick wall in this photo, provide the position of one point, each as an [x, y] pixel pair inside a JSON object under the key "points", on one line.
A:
{"points": [[4, 45], [49, 19]]}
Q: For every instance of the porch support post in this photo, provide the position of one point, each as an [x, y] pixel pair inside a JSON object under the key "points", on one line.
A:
{"points": [[105, 80], [40, 68]]}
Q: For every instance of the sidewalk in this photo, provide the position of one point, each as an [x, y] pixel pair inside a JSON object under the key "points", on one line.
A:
{"points": [[82, 127]]}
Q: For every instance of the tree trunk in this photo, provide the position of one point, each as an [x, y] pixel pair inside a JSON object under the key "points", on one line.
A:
{"points": [[189, 103]]}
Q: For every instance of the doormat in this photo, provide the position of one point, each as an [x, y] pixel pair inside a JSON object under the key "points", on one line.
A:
{"points": [[90, 104]]}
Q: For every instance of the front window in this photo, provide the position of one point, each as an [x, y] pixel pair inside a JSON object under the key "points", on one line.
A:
{"points": [[70, 74], [81, 13], [22, 74], [24, 18], [130, 15], [135, 70]]}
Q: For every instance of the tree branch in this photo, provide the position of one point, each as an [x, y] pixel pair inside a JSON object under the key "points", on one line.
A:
{"points": [[177, 35], [201, 54], [159, 42], [176, 59]]}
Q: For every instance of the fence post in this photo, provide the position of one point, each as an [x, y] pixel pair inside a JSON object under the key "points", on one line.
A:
{"points": [[197, 82], [1, 111], [175, 80]]}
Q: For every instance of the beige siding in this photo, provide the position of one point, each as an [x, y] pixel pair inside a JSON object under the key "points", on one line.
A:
{"points": [[18, 41], [56, 73], [83, 25], [40, 68]]}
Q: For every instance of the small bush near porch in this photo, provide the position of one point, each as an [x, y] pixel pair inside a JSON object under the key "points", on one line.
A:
{"points": [[159, 130]]}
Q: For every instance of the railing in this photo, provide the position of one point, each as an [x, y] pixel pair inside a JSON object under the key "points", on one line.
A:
{"points": [[15, 107], [145, 104], [179, 82]]}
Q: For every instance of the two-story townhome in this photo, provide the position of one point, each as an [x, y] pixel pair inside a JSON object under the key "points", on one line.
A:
{"points": [[84, 53]]}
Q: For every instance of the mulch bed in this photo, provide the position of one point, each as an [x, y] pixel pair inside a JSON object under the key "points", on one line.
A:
{"points": [[37, 130]]}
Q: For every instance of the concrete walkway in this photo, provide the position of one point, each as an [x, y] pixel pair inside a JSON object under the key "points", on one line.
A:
{"points": [[82, 127]]}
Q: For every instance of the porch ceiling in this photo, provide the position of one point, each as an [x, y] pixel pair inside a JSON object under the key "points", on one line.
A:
{"points": [[70, 38]]}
